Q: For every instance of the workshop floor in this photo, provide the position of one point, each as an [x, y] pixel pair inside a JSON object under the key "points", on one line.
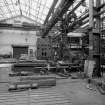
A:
{"points": [[66, 92]]}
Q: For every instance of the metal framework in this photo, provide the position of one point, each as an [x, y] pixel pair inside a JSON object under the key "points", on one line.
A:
{"points": [[82, 18], [22, 27], [50, 11], [62, 9], [72, 25], [36, 10]]}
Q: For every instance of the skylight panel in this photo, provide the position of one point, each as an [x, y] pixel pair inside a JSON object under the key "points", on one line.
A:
{"points": [[34, 5], [24, 13], [8, 15], [16, 7], [43, 17], [45, 11], [41, 9], [32, 12], [49, 3], [43, 2], [23, 1], [80, 10], [1, 1], [4, 9], [40, 15], [35, 9], [40, 21], [8, 1], [1, 4], [17, 12], [14, 13], [25, 10], [11, 7], [1, 15], [23, 7]]}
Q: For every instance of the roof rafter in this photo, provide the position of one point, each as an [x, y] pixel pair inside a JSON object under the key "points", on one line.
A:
{"points": [[11, 8], [32, 9], [32, 15], [38, 8], [30, 19], [6, 4], [2, 12], [3, 20]]}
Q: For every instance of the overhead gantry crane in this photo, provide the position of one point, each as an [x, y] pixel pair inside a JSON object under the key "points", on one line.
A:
{"points": [[63, 8], [92, 16], [60, 11]]}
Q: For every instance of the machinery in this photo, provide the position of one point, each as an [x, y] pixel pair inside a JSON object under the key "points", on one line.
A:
{"points": [[44, 49], [69, 22], [93, 16]]}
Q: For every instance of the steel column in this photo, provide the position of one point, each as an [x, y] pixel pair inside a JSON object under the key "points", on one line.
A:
{"points": [[91, 26], [98, 40]]}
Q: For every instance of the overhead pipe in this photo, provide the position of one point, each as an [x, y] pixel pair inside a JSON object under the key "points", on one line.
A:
{"points": [[85, 22], [58, 14], [86, 16], [63, 7], [81, 24], [82, 18], [50, 11], [75, 22], [76, 7]]}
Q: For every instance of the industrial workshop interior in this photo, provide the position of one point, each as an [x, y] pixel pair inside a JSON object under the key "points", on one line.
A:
{"points": [[52, 52]]}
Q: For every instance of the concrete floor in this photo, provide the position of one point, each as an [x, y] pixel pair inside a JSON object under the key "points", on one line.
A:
{"points": [[79, 94], [66, 92]]}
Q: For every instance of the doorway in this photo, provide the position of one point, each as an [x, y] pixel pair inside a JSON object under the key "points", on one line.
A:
{"points": [[18, 50]]}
